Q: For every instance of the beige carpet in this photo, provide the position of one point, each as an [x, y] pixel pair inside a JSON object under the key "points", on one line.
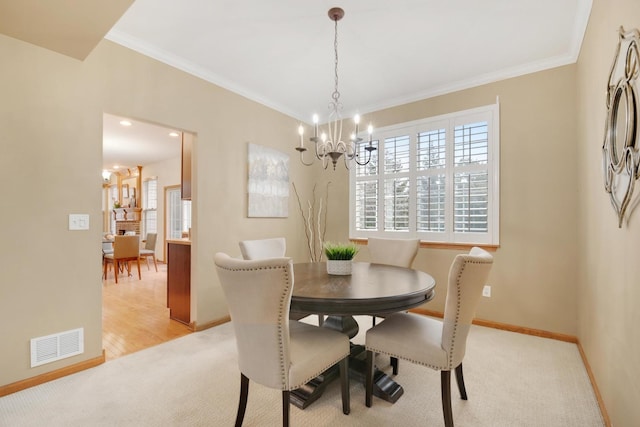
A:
{"points": [[512, 380]]}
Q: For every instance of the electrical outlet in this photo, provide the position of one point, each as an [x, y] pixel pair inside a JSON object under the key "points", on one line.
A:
{"points": [[486, 291]]}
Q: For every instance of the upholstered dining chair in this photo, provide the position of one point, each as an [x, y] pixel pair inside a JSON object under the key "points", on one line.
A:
{"points": [[263, 248], [125, 250], [269, 248], [149, 250], [437, 344], [273, 350], [397, 252]]}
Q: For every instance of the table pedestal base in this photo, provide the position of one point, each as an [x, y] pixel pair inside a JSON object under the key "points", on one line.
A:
{"points": [[383, 386]]}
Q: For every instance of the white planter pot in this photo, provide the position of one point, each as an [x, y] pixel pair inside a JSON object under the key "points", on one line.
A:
{"points": [[339, 267]]}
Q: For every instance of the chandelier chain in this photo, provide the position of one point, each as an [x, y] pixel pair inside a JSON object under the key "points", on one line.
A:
{"points": [[336, 94]]}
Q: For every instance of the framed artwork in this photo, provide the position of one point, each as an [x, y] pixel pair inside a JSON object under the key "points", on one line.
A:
{"points": [[125, 191], [268, 182]]}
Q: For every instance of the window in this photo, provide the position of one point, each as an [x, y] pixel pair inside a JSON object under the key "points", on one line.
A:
{"points": [[435, 179], [150, 206], [113, 198], [179, 214]]}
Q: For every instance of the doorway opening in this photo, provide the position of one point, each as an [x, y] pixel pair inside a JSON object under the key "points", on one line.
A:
{"points": [[139, 159]]}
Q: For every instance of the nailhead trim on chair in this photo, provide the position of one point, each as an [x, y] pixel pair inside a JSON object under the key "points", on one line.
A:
{"points": [[450, 352], [283, 369], [281, 316], [455, 325], [455, 328]]}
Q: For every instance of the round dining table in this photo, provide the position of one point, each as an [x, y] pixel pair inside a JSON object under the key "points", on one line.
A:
{"points": [[370, 289]]}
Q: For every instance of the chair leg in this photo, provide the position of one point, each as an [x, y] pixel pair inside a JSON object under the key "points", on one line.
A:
{"points": [[445, 378], [244, 394], [460, 381], [344, 383], [368, 385], [115, 269], [155, 262], [139, 274], [394, 364], [285, 408]]}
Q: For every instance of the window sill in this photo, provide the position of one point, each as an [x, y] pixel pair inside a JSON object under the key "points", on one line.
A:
{"points": [[440, 245]]}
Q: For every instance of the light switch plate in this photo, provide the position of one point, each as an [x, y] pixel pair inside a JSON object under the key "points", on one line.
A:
{"points": [[78, 221]]}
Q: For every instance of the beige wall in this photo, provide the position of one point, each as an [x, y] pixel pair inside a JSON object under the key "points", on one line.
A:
{"points": [[609, 272], [534, 274], [563, 265], [51, 120]]}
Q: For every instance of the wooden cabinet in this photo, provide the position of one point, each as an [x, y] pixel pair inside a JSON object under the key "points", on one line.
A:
{"points": [[179, 280]]}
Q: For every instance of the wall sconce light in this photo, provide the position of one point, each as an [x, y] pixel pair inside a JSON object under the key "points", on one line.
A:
{"points": [[106, 175]]}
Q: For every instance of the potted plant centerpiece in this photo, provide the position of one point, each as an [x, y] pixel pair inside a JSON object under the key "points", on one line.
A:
{"points": [[339, 257]]}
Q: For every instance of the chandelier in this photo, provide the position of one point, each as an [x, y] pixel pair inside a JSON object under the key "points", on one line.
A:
{"points": [[329, 144]]}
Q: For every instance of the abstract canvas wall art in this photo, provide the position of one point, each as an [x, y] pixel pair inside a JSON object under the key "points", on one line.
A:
{"points": [[268, 183]]}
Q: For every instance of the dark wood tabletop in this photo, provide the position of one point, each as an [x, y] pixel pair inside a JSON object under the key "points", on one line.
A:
{"points": [[370, 289]]}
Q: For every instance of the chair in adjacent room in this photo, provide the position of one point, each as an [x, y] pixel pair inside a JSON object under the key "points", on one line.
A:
{"points": [[272, 350], [125, 250], [149, 250], [437, 344], [396, 252]]}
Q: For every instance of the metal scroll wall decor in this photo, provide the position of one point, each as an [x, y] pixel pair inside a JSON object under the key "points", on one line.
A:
{"points": [[620, 151]]}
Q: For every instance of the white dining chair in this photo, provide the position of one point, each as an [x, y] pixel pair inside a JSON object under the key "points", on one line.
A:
{"points": [[437, 344], [269, 248], [273, 350], [396, 252], [263, 248]]}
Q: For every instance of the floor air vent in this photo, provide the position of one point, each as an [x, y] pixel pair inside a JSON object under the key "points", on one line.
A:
{"points": [[56, 346]]}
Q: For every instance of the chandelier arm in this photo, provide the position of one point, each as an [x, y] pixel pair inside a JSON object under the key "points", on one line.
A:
{"points": [[325, 161], [316, 144], [346, 161], [301, 151], [365, 162]]}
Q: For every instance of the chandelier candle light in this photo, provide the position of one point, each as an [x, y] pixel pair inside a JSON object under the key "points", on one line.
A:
{"points": [[329, 145]]}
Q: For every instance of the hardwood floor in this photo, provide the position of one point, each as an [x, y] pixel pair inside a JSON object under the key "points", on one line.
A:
{"points": [[134, 312]]}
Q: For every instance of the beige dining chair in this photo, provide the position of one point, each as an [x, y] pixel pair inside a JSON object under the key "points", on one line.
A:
{"points": [[396, 252], [125, 250], [149, 250], [437, 344], [263, 248], [269, 248], [274, 351]]}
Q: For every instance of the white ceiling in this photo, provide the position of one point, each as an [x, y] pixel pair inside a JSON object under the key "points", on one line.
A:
{"points": [[280, 53], [139, 144]]}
